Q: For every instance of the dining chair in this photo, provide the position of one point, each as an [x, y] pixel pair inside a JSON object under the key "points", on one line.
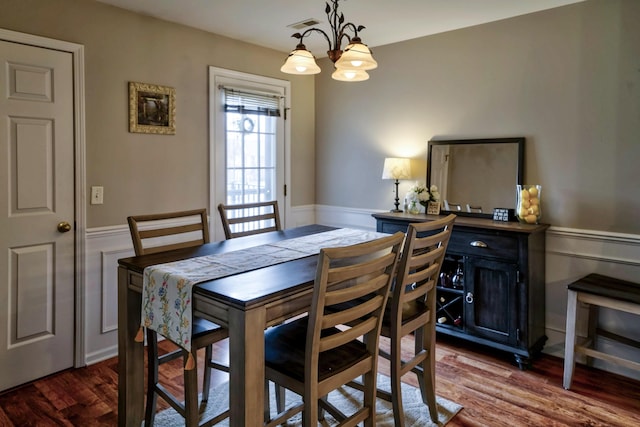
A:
{"points": [[412, 310], [311, 356], [249, 218], [163, 232], [449, 206]]}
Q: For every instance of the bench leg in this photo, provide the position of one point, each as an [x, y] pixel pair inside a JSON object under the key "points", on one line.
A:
{"points": [[592, 333], [570, 340]]}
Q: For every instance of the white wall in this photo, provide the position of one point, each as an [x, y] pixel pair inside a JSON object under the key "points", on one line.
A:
{"points": [[570, 254]]}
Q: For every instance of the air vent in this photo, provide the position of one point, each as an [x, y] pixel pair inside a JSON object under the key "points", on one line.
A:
{"points": [[304, 24]]}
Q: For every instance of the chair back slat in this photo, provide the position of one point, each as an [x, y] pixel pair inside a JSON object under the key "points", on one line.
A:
{"points": [[249, 218], [155, 233]]}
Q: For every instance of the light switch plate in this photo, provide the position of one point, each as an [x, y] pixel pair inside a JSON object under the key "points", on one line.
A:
{"points": [[97, 195]]}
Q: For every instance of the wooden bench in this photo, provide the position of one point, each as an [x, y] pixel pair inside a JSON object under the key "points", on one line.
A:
{"points": [[598, 291]]}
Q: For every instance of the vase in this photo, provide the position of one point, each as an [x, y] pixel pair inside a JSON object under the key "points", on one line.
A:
{"points": [[528, 208], [414, 207]]}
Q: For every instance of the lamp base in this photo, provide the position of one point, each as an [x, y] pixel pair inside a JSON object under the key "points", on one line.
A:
{"points": [[396, 210]]}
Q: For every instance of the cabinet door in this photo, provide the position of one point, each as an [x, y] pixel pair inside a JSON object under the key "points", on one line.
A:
{"points": [[491, 300]]}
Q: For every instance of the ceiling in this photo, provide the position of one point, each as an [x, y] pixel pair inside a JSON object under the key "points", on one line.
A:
{"points": [[265, 22]]}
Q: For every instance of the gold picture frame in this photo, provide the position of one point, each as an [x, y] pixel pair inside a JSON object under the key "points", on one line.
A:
{"points": [[152, 109]]}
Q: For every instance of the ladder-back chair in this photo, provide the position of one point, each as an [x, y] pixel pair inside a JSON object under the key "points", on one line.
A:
{"points": [[249, 218], [412, 310], [163, 232], [311, 356]]}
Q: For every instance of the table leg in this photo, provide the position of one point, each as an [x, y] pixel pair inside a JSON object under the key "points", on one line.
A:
{"points": [[246, 367], [130, 355]]}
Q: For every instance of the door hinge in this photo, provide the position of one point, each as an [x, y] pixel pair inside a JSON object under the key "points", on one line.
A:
{"points": [[285, 190], [518, 335], [518, 276]]}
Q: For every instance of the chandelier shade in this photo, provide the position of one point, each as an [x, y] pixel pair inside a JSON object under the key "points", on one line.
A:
{"points": [[349, 75], [300, 61], [351, 65], [356, 55]]}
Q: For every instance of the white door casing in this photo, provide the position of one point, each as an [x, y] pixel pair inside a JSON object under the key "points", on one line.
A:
{"points": [[38, 304]]}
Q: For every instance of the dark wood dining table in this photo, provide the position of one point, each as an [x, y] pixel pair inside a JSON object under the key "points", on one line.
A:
{"points": [[245, 303]]}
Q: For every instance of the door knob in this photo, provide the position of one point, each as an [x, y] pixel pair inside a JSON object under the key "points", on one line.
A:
{"points": [[64, 226]]}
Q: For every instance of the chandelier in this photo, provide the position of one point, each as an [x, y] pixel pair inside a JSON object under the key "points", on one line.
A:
{"points": [[351, 65]]}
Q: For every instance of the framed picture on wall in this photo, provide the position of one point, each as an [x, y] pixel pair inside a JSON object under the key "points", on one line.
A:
{"points": [[152, 109]]}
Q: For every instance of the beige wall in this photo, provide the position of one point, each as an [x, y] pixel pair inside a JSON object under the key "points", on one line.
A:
{"points": [[567, 79], [150, 173]]}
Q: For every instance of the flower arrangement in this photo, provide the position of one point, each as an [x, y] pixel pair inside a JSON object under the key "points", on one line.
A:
{"points": [[419, 193]]}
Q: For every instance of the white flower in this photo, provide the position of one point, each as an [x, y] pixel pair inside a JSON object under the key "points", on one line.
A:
{"points": [[424, 196]]}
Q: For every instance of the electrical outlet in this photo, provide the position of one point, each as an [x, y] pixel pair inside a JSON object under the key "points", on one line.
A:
{"points": [[97, 195]]}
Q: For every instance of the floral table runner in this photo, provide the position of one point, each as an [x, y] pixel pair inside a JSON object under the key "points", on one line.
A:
{"points": [[167, 288]]}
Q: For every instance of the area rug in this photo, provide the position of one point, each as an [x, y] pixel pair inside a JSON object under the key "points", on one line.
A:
{"points": [[345, 399]]}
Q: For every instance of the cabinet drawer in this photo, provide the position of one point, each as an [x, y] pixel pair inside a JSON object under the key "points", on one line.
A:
{"points": [[485, 245]]}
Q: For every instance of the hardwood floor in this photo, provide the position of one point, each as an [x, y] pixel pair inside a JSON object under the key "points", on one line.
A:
{"points": [[493, 391]]}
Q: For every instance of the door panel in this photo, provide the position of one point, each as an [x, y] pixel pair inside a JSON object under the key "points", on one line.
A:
{"points": [[491, 298], [36, 194]]}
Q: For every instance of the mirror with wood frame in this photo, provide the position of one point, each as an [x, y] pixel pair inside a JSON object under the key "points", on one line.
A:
{"points": [[475, 176]]}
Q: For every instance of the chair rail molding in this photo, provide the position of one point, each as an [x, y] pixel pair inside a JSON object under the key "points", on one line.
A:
{"points": [[570, 254]]}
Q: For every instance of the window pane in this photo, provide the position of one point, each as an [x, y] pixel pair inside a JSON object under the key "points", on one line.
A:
{"points": [[251, 156]]}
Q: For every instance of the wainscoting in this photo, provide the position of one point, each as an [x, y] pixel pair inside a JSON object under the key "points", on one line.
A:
{"points": [[570, 254]]}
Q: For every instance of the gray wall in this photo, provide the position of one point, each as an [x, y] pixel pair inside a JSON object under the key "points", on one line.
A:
{"points": [[144, 173], [567, 79]]}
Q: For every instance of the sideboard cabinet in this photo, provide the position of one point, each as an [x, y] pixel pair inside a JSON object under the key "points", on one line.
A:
{"points": [[491, 288]]}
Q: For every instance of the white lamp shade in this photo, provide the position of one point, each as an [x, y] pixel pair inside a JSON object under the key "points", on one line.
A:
{"points": [[350, 75], [356, 56], [300, 61], [396, 168]]}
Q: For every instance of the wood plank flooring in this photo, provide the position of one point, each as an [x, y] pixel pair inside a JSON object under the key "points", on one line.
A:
{"points": [[493, 391]]}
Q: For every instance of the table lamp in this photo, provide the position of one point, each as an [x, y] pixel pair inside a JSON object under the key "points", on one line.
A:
{"points": [[396, 168]]}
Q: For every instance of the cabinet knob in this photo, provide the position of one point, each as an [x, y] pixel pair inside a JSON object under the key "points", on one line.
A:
{"points": [[478, 244], [469, 298]]}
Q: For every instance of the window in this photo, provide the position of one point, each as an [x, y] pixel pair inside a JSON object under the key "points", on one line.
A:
{"points": [[250, 140]]}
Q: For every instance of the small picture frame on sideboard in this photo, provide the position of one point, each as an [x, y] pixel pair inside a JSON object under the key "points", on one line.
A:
{"points": [[433, 208]]}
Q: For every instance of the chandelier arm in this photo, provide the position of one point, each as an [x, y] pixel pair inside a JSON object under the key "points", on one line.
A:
{"points": [[352, 27], [311, 30], [335, 21]]}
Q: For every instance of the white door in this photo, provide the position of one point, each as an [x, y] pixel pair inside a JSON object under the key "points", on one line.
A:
{"points": [[36, 203]]}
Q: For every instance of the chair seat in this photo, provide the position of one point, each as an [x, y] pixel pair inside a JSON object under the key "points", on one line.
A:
{"points": [[608, 287], [285, 348], [204, 332]]}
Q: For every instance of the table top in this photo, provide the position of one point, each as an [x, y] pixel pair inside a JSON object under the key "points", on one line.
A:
{"points": [[250, 288], [465, 221]]}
